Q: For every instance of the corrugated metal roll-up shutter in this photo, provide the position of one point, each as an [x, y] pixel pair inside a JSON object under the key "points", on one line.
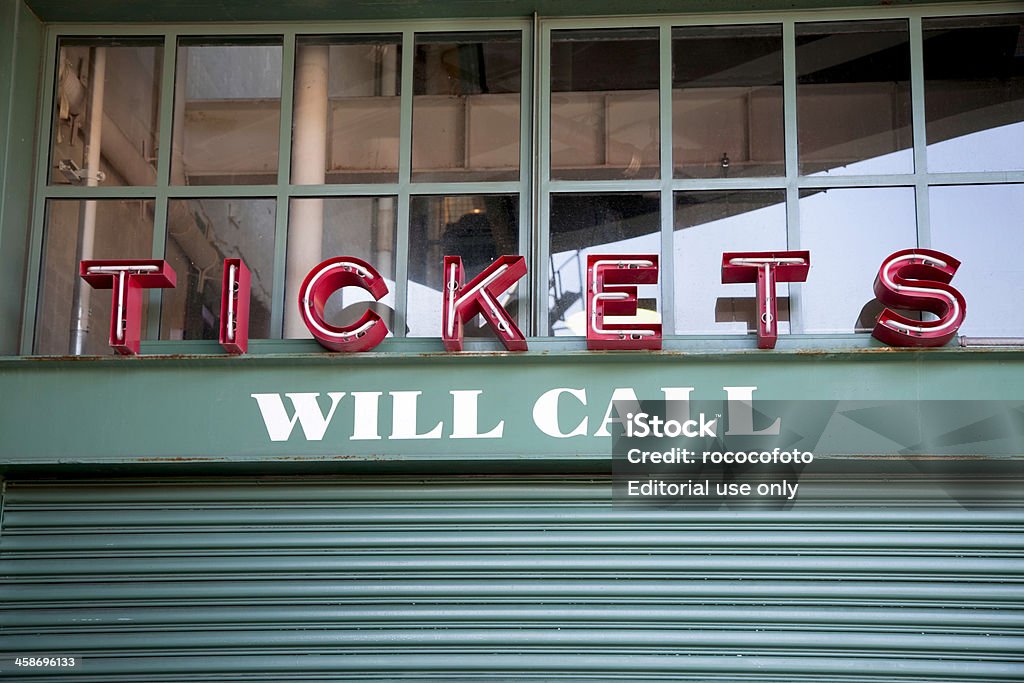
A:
{"points": [[498, 579]]}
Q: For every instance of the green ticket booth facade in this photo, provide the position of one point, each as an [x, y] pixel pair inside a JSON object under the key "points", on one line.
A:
{"points": [[409, 513]]}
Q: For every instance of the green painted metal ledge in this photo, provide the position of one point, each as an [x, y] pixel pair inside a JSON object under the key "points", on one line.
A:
{"points": [[200, 409]]}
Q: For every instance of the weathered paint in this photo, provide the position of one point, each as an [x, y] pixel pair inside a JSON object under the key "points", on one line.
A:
{"points": [[113, 410], [21, 51], [510, 578]]}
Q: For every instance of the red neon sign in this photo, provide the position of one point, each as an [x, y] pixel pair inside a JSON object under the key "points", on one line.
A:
{"points": [[327, 278], [918, 279], [236, 285], [127, 278], [463, 302], [611, 292], [766, 268]]}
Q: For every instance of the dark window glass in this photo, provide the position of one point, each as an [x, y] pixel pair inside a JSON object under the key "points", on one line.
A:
{"points": [[853, 98], [583, 224], [201, 233], [465, 123], [727, 101], [479, 228], [604, 104]]}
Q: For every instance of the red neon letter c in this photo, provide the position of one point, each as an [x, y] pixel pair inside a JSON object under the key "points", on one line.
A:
{"points": [[323, 281]]}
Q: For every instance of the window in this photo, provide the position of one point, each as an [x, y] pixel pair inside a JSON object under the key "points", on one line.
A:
{"points": [[848, 135]]}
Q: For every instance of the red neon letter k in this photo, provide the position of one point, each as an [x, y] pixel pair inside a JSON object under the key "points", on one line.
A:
{"points": [[464, 301]]}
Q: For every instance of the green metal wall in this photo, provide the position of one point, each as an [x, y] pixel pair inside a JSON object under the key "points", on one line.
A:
{"points": [[21, 55], [499, 579]]}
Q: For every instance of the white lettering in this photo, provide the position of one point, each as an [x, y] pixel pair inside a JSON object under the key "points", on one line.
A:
{"points": [[465, 417], [307, 413], [545, 413], [623, 395], [741, 413], [403, 417], [364, 417]]}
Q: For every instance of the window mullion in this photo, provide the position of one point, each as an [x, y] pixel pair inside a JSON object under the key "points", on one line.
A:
{"points": [[528, 219], [284, 165], [667, 214], [163, 171], [919, 132], [404, 182], [35, 257], [542, 270], [792, 163]]}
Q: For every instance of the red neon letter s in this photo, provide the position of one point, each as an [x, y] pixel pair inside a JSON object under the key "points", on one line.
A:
{"points": [[604, 271], [327, 278], [127, 277], [464, 301], [918, 279], [765, 268]]}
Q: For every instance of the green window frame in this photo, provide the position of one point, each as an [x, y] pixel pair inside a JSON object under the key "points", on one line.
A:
{"points": [[534, 187]]}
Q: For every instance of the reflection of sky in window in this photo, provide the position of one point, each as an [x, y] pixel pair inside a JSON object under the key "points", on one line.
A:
{"points": [[697, 260], [569, 269], [991, 149], [901, 161], [849, 232], [980, 225]]}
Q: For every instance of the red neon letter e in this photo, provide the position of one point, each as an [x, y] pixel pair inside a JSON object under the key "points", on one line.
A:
{"points": [[127, 277], [765, 268], [918, 279], [323, 281], [464, 301], [604, 272]]}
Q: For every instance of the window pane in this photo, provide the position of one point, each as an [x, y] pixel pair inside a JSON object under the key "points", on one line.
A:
{"points": [[319, 229], [479, 228], [727, 101], [849, 232], [345, 124], [71, 316], [979, 225], [201, 233], [707, 224], [227, 112], [604, 104], [583, 224], [465, 123], [853, 98], [106, 111], [974, 93]]}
